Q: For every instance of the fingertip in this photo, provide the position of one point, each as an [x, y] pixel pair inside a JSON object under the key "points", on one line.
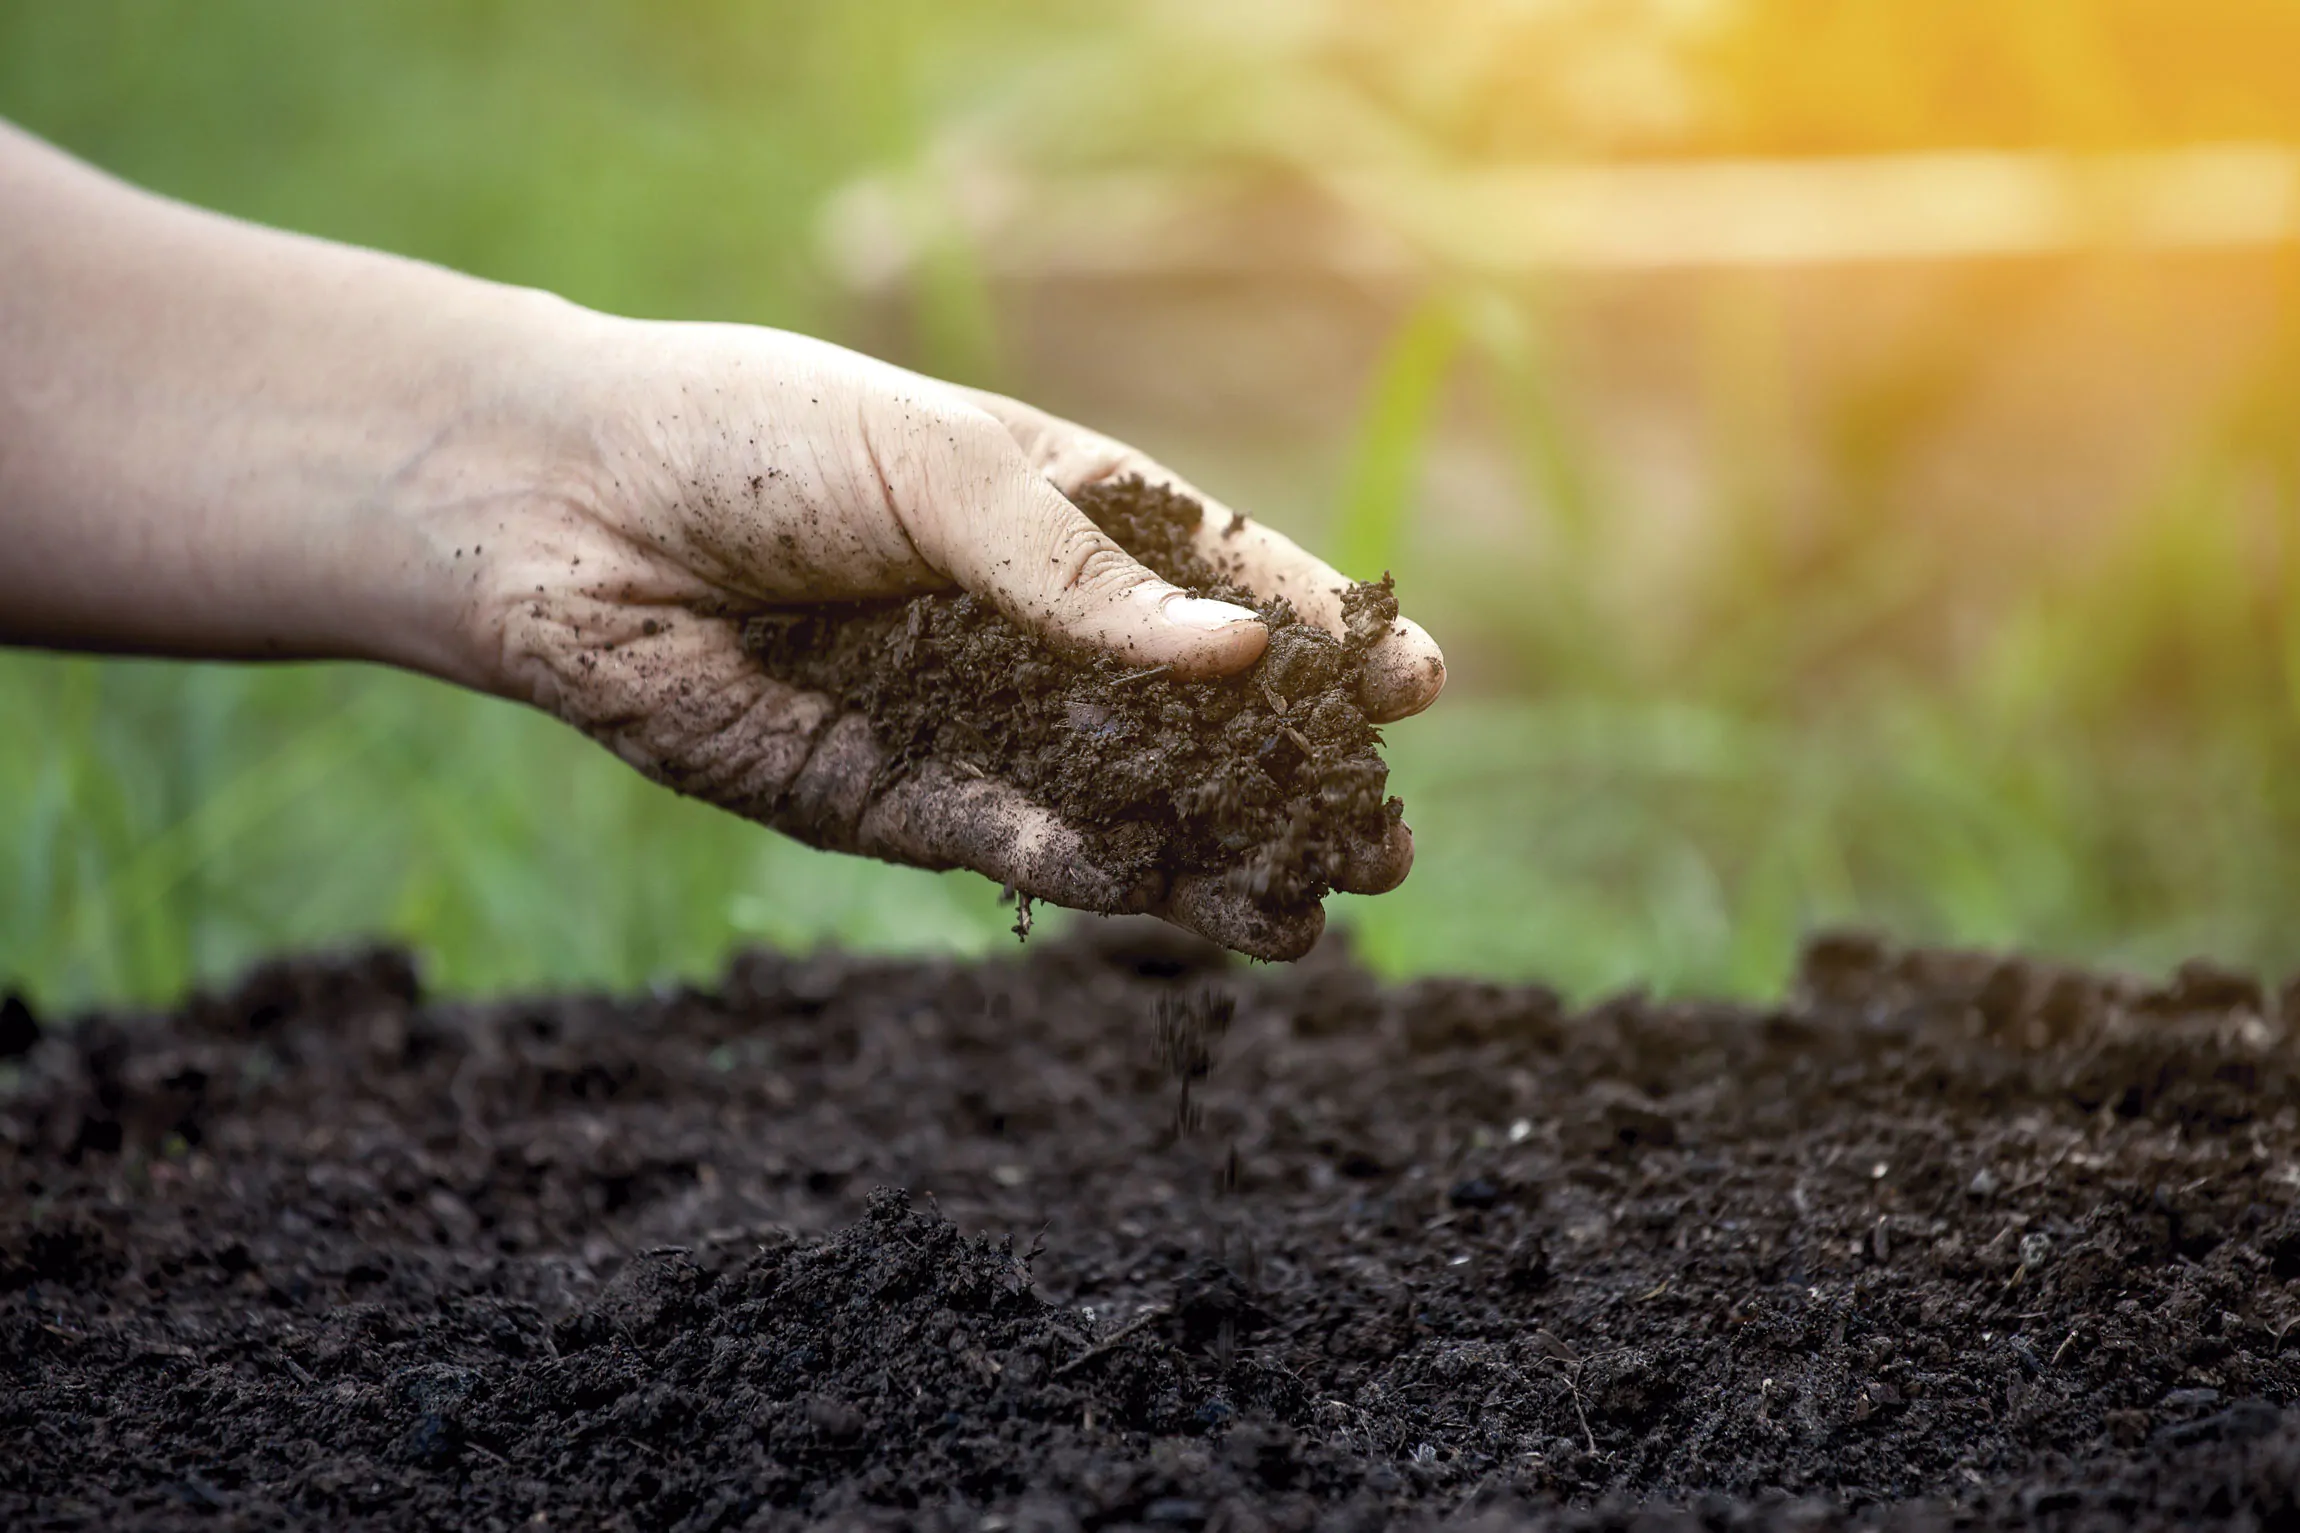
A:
{"points": [[1404, 673], [1378, 869], [940, 818], [1202, 614], [1215, 911], [1195, 635]]}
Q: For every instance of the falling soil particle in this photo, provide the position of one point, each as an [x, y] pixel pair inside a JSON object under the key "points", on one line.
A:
{"points": [[1272, 777], [1189, 1029], [1943, 1239]]}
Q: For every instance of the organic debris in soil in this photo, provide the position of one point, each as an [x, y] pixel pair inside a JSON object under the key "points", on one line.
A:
{"points": [[1944, 1240], [1270, 777]]}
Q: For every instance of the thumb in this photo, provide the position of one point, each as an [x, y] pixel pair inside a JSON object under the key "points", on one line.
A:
{"points": [[997, 527]]}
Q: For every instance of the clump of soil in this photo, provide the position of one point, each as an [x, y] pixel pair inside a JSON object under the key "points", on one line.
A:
{"points": [[1943, 1240], [1269, 777]]}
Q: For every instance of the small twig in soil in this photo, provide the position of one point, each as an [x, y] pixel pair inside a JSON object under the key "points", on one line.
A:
{"points": [[1554, 1347], [1133, 676], [2050, 1167], [1109, 1343], [1569, 1366], [1573, 1388]]}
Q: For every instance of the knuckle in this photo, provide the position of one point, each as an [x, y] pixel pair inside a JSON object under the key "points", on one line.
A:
{"points": [[1100, 566], [976, 439], [956, 487], [827, 792], [1089, 564]]}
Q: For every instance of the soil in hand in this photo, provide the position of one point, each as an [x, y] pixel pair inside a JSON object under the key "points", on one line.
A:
{"points": [[1945, 1240], [1270, 777]]}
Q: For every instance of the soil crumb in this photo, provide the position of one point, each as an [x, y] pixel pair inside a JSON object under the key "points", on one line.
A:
{"points": [[1944, 1240], [1269, 777]]}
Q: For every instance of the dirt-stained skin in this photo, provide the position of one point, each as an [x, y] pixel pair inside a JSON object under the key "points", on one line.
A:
{"points": [[731, 470], [1268, 782], [223, 441]]}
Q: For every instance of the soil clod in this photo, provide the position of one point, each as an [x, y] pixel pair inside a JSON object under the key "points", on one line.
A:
{"points": [[1271, 779]]}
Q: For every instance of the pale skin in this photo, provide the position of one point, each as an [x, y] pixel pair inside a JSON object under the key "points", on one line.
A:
{"points": [[222, 441]]}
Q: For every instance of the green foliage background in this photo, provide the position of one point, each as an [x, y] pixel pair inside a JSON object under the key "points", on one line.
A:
{"points": [[2106, 774]]}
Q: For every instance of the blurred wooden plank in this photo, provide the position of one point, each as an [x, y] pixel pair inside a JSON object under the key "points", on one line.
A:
{"points": [[1516, 220]]}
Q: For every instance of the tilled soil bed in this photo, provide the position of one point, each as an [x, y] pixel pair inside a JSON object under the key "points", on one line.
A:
{"points": [[1940, 1240]]}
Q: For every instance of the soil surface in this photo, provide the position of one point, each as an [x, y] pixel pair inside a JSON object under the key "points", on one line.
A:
{"points": [[1272, 776], [1942, 1239]]}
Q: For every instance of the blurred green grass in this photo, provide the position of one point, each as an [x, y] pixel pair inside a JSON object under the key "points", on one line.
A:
{"points": [[1666, 798]]}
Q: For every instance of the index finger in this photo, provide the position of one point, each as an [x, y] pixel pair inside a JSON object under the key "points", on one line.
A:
{"points": [[1404, 671]]}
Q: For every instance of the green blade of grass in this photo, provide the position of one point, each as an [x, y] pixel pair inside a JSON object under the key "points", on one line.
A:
{"points": [[1393, 437]]}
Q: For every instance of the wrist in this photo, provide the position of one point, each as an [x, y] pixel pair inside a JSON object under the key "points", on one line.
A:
{"points": [[223, 441], [456, 523]]}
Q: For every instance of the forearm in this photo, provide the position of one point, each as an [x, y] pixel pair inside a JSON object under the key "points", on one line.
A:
{"points": [[221, 440]]}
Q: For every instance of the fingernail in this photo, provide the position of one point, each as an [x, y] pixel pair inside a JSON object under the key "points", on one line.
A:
{"points": [[1207, 616]]}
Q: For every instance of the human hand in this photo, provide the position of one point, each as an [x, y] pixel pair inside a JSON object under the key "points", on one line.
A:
{"points": [[713, 470], [217, 440]]}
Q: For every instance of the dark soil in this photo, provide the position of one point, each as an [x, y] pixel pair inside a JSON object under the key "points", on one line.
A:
{"points": [[1270, 777], [1943, 1238]]}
